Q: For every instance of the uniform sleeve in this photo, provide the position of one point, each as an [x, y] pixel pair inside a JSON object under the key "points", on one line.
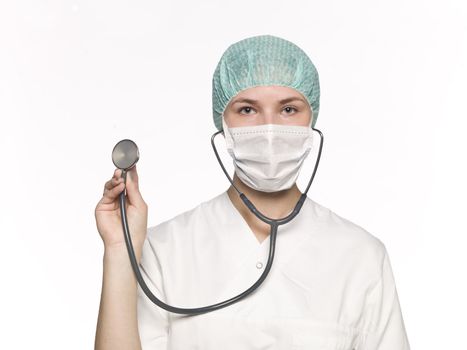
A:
{"points": [[153, 322], [384, 326]]}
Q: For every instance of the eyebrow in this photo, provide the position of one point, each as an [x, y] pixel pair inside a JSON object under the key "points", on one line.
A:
{"points": [[285, 100]]}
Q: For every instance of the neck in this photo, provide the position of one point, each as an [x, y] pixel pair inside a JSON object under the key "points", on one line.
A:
{"points": [[274, 205]]}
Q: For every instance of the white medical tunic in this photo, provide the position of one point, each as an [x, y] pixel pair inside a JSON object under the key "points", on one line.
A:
{"points": [[331, 285]]}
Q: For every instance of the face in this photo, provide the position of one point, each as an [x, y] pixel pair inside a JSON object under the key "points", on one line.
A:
{"points": [[268, 105]]}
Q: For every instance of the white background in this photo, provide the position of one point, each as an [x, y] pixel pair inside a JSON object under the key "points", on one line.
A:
{"points": [[78, 76]]}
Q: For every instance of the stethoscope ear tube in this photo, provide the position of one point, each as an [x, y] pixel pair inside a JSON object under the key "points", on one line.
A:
{"points": [[126, 154]]}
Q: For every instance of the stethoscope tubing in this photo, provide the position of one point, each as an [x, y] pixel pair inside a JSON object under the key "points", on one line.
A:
{"points": [[274, 223]]}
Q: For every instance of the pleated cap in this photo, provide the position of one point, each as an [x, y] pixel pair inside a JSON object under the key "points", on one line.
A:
{"points": [[263, 60]]}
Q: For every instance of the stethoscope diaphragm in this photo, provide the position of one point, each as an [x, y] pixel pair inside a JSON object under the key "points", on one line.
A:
{"points": [[125, 154]]}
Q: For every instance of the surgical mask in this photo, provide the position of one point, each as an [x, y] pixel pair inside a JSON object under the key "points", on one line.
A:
{"points": [[268, 157]]}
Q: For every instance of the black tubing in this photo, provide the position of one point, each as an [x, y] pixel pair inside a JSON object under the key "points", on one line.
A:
{"points": [[272, 246]]}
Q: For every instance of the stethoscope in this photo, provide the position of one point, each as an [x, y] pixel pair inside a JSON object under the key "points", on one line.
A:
{"points": [[125, 155]]}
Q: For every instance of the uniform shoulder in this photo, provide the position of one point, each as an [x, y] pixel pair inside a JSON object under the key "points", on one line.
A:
{"points": [[346, 233], [185, 219]]}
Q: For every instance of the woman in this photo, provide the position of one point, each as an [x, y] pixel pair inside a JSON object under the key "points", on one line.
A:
{"points": [[331, 285]]}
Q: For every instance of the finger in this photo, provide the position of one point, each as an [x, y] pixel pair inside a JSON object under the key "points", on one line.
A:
{"points": [[110, 195], [132, 188], [112, 183], [117, 173], [133, 173], [115, 181]]}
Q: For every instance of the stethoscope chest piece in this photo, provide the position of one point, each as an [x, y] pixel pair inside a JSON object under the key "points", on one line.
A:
{"points": [[125, 154]]}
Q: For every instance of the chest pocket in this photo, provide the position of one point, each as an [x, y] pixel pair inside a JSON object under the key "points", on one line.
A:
{"points": [[313, 335]]}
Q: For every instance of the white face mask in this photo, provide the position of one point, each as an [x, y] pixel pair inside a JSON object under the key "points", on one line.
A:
{"points": [[268, 157]]}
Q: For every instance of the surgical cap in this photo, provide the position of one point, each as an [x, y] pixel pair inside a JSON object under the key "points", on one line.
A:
{"points": [[263, 60]]}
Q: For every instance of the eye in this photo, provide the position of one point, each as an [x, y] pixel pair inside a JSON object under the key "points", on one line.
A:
{"points": [[245, 108], [290, 107]]}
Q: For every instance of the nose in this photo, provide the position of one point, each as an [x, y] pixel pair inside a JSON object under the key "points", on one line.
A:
{"points": [[270, 117]]}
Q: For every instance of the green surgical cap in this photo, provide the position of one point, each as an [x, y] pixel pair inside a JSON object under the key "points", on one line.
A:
{"points": [[263, 60]]}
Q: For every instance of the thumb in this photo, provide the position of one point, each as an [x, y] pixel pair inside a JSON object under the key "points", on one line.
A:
{"points": [[132, 187]]}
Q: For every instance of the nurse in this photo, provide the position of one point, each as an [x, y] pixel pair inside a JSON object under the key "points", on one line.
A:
{"points": [[331, 284]]}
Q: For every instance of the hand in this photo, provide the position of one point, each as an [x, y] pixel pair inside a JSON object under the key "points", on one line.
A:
{"points": [[107, 212]]}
